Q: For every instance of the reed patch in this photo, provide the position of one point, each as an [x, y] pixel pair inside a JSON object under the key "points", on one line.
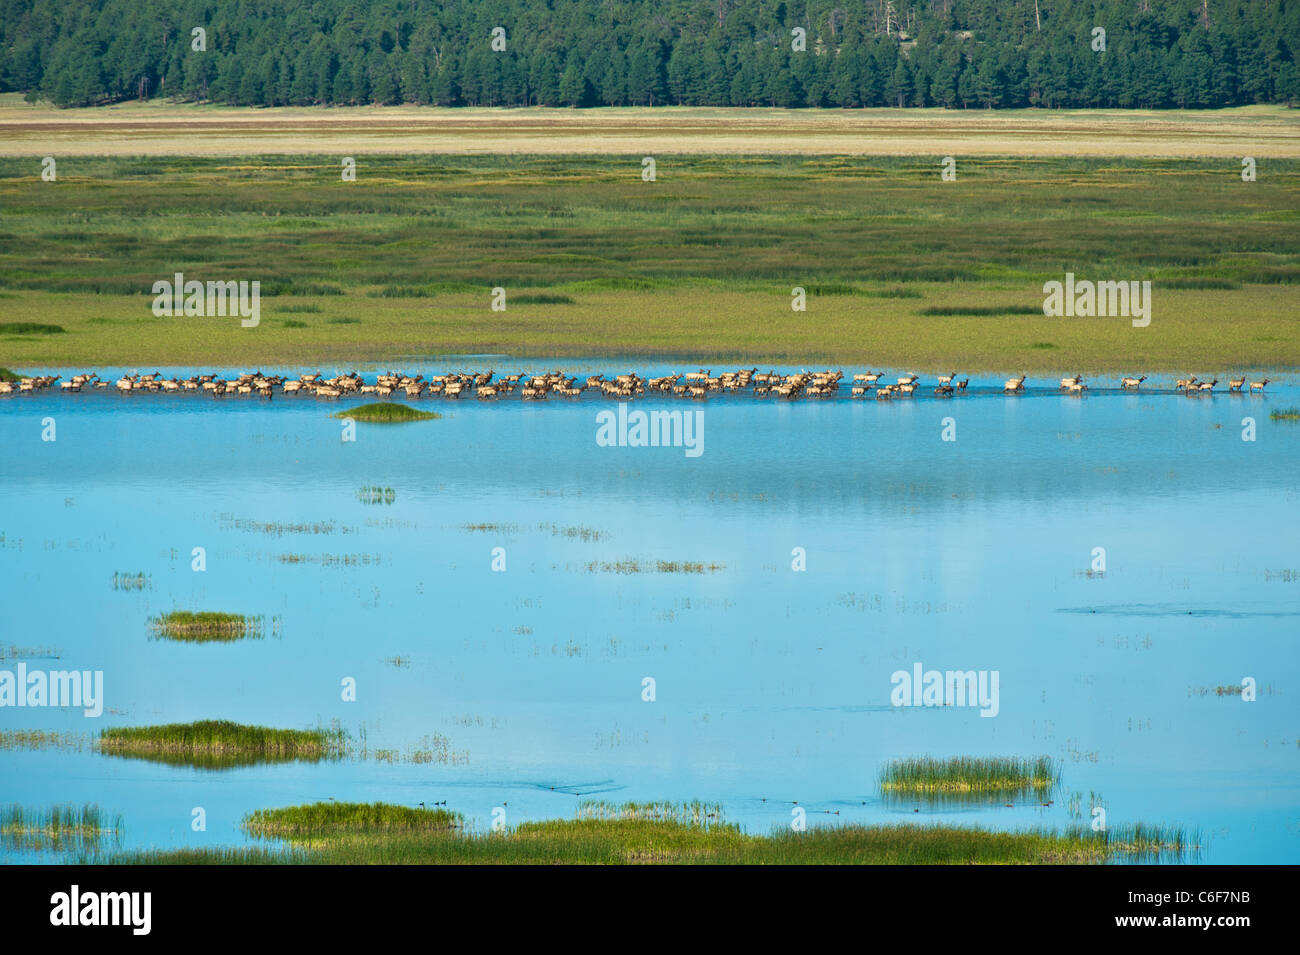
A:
{"points": [[965, 778], [206, 626], [320, 820], [220, 744], [58, 828]]}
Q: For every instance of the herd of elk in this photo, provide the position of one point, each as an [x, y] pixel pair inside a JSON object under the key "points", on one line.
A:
{"points": [[488, 386]]}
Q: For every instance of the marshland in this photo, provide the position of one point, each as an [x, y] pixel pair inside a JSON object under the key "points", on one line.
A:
{"points": [[897, 266], [638, 833], [771, 684]]}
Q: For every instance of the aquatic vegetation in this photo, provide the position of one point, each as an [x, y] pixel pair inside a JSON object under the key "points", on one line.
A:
{"points": [[327, 833], [277, 529], [317, 820], [691, 813], [206, 626], [128, 581], [369, 494], [965, 777], [631, 566], [62, 827], [219, 744], [332, 560], [27, 653], [491, 528], [383, 412], [585, 534], [432, 749], [1139, 840], [1285, 414], [42, 739], [436, 748]]}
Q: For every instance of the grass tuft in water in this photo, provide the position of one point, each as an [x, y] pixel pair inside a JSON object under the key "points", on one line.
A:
{"points": [[219, 744], [1285, 414], [966, 777], [206, 626], [129, 581], [62, 827], [323, 819]]}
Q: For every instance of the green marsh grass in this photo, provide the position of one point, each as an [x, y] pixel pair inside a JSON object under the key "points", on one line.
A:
{"points": [[967, 778], [129, 582], [206, 626], [570, 227], [653, 833], [12, 652], [219, 744], [320, 820], [540, 298], [1285, 414], [631, 566], [30, 328], [42, 739], [59, 828], [373, 494], [387, 413]]}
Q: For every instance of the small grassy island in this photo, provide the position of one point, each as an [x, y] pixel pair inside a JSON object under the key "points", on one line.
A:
{"points": [[383, 412], [205, 626], [218, 744]]}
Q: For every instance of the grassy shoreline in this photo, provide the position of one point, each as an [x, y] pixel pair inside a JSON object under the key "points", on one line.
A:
{"points": [[661, 833], [711, 326]]}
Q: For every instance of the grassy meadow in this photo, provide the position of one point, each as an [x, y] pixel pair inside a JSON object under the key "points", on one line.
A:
{"points": [[160, 128], [900, 268]]}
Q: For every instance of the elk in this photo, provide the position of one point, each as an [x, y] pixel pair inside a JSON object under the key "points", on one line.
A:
{"points": [[1258, 385], [1132, 382]]}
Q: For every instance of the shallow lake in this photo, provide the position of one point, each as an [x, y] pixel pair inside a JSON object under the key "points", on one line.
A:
{"points": [[522, 687]]}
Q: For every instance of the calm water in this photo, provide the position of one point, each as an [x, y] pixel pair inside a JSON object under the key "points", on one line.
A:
{"points": [[771, 685]]}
